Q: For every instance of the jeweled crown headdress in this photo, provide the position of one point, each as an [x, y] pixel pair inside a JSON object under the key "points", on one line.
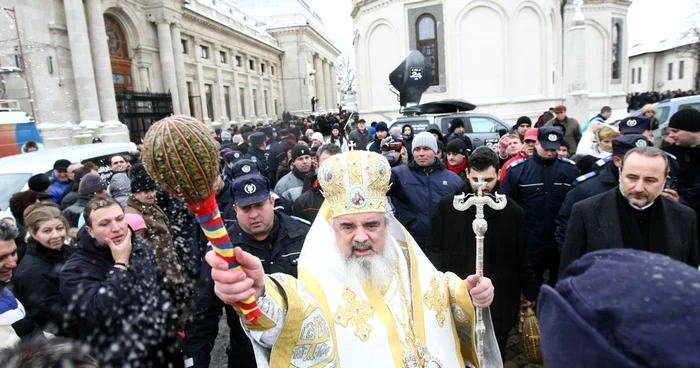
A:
{"points": [[355, 182]]}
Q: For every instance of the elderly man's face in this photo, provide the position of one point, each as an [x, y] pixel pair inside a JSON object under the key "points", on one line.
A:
{"points": [[360, 235]]}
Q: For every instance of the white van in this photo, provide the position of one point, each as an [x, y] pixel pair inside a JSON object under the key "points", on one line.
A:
{"points": [[16, 170]]}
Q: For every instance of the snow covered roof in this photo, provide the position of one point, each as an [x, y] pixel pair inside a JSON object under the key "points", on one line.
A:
{"points": [[664, 45], [285, 13], [236, 18]]}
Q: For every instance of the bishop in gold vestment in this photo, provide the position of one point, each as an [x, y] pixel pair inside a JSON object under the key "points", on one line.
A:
{"points": [[366, 295]]}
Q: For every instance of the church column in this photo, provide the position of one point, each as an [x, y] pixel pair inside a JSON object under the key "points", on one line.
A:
{"points": [[200, 82], [83, 71], [327, 84], [143, 78], [253, 105], [101, 62], [236, 111], [318, 82], [179, 60], [334, 86], [167, 63], [220, 83]]}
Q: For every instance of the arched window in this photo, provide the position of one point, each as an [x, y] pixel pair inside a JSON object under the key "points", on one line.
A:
{"points": [[427, 44], [616, 51]]}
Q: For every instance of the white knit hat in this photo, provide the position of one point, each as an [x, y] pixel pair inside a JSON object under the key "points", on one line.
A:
{"points": [[425, 139], [317, 136]]}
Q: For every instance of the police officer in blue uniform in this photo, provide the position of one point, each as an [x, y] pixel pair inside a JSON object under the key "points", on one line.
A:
{"points": [[597, 182], [275, 238], [539, 185], [643, 125], [258, 153]]}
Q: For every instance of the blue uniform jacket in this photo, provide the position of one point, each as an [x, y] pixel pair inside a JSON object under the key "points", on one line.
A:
{"points": [[589, 185], [416, 193], [540, 186]]}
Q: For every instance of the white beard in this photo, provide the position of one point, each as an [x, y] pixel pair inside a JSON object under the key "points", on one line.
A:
{"points": [[377, 270]]}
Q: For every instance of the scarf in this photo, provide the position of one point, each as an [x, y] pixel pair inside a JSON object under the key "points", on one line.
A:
{"points": [[300, 175], [459, 168]]}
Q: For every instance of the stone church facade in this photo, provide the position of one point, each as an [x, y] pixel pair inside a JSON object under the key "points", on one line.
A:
{"points": [[510, 58], [92, 63]]}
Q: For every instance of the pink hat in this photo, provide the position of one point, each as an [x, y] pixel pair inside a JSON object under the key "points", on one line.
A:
{"points": [[135, 221], [531, 135]]}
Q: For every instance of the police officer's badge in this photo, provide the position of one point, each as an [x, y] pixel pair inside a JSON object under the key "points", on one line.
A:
{"points": [[250, 188], [632, 123], [245, 169], [552, 137], [236, 155], [640, 143]]}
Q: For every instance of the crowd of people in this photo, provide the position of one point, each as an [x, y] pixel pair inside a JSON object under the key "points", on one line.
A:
{"points": [[636, 100], [119, 266]]}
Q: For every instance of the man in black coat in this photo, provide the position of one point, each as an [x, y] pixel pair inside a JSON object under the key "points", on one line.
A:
{"points": [[634, 215], [113, 288], [270, 235], [452, 245]]}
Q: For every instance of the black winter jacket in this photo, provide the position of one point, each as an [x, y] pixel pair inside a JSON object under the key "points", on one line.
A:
{"points": [[278, 253], [127, 318], [452, 247], [73, 212], [36, 285], [309, 202]]}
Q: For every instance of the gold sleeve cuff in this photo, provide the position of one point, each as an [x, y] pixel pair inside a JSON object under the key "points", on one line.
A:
{"points": [[272, 305]]}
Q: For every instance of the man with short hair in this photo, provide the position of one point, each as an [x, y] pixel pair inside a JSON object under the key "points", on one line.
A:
{"points": [[15, 323], [310, 200], [417, 187], [527, 150], [360, 279], [118, 164], [360, 136], [604, 115], [572, 129], [509, 146], [381, 132], [113, 288], [301, 167], [563, 150], [539, 185], [596, 182], [71, 170], [452, 245], [60, 182], [273, 237], [634, 215]]}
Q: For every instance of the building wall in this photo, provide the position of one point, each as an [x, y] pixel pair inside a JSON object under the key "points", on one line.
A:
{"points": [[655, 71], [201, 22], [505, 57]]}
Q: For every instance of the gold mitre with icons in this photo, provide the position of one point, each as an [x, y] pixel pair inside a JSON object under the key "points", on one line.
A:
{"points": [[355, 182]]}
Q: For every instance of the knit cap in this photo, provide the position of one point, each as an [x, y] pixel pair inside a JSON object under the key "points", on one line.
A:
{"points": [[425, 139]]}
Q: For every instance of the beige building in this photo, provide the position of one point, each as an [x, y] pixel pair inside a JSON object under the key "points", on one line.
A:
{"points": [[665, 66], [110, 68], [310, 56]]}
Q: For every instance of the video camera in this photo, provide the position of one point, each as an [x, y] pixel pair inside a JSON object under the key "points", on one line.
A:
{"points": [[391, 144]]}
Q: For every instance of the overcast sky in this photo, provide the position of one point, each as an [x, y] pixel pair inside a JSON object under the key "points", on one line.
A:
{"points": [[648, 20]]}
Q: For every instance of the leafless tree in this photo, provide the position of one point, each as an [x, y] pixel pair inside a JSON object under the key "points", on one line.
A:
{"points": [[692, 34], [346, 74]]}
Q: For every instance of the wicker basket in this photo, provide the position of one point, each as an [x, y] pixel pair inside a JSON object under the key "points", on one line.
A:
{"points": [[530, 337]]}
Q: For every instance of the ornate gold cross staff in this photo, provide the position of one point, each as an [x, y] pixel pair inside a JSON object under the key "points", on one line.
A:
{"points": [[479, 225]]}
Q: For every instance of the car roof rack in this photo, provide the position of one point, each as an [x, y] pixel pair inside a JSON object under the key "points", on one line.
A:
{"points": [[439, 107]]}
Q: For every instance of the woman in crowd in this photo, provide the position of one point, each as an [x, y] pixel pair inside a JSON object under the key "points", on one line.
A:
{"points": [[597, 140], [36, 278], [338, 139]]}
